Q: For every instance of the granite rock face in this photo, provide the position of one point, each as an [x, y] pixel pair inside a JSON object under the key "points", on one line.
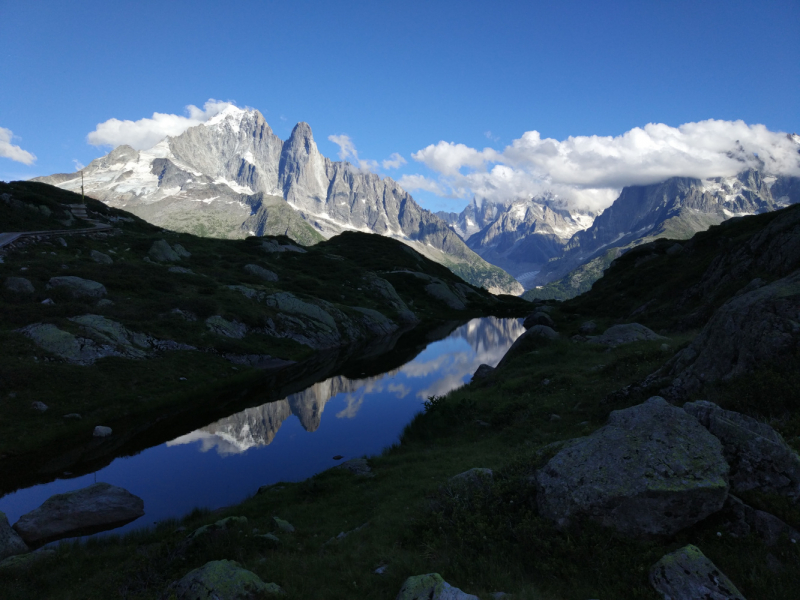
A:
{"points": [[89, 510], [652, 470], [758, 455], [223, 580], [687, 574]]}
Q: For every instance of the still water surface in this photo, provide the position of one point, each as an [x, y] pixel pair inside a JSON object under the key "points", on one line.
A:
{"points": [[291, 439]]}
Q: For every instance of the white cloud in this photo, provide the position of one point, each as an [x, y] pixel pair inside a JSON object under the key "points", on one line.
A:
{"points": [[395, 161], [146, 133], [588, 171], [15, 153], [412, 183], [79, 166]]}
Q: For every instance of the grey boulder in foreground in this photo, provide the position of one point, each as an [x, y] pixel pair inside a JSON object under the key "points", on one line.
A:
{"points": [[687, 574], [431, 587], [10, 543], [223, 580], [652, 470], [617, 335], [89, 510]]}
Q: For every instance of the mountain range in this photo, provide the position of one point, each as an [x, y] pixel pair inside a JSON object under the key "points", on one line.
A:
{"points": [[232, 177]]}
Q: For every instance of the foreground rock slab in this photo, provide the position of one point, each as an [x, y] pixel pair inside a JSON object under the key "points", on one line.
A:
{"points": [[10, 543], [758, 455], [431, 587], [223, 580], [651, 471], [687, 574], [89, 510]]}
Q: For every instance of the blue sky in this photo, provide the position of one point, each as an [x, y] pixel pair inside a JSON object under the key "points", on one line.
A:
{"points": [[396, 77]]}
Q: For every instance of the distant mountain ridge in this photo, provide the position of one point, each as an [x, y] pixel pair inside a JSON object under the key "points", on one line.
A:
{"points": [[227, 178]]}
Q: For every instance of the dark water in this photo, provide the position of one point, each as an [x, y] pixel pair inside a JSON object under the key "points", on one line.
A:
{"points": [[291, 439]]}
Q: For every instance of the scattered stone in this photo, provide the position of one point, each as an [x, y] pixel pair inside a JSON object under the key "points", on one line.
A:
{"points": [[78, 287], [220, 525], [357, 466], [48, 301], [758, 455], [540, 331], [62, 241], [381, 570], [184, 314], [555, 417], [651, 470], [344, 534], [99, 257], [482, 372], [545, 382], [74, 416], [231, 329], [101, 431], [161, 251], [687, 574], [283, 525], [475, 477], [19, 285], [261, 272], [617, 335], [587, 328], [182, 270], [89, 510], [181, 251], [269, 539], [40, 406], [664, 347], [271, 246], [10, 543], [223, 580], [105, 302], [431, 587]]}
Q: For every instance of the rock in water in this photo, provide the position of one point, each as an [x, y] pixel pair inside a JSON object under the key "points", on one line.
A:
{"points": [[223, 580], [78, 287], [687, 574], [431, 587], [10, 543], [652, 470], [758, 455], [89, 510]]}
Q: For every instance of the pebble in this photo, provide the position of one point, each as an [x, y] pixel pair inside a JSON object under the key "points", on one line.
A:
{"points": [[40, 406]]}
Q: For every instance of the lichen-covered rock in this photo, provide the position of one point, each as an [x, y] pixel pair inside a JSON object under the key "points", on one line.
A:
{"points": [[759, 457], [231, 329], [161, 251], [431, 587], [439, 290], [651, 470], [19, 285], [10, 543], [748, 331], [223, 580], [687, 574], [618, 335], [99, 257], [261, 272], [78, 287], [99, 507]]}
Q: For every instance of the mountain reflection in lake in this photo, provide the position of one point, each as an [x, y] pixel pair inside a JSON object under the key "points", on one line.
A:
{"points": [[263, 444]]}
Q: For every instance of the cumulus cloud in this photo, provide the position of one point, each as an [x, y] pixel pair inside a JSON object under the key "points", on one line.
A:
{"points": [[395, 161], [146, 133], [412, 183], [79, 166], [589, 171], [15, 153]]}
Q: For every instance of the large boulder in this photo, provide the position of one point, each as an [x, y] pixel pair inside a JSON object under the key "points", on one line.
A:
{"points": [[99, 257], [431, 587], [751, 330], [261, 272], [538, 318], [537, 332], [759, 457], [741, 520], [10, 543], [618, 335], [78, 287], [75, 350], [161, 251], [19, 285], [89, 510], [687, 574], [223, 580], [651, 470]]}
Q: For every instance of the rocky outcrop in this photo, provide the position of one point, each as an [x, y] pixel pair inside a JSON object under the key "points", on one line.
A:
{"points": [[161, 251], [78, 287], [651, 470], [100, 258], [19, 285], [223, 580], [687, 574], [431, 587], [617, 335], [10, 543], [261, 272], [89, 510], [754, 329], [757, 454], [232, 329]]}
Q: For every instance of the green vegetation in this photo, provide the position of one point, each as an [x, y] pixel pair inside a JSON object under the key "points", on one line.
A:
{"points": [[492, 539]]}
